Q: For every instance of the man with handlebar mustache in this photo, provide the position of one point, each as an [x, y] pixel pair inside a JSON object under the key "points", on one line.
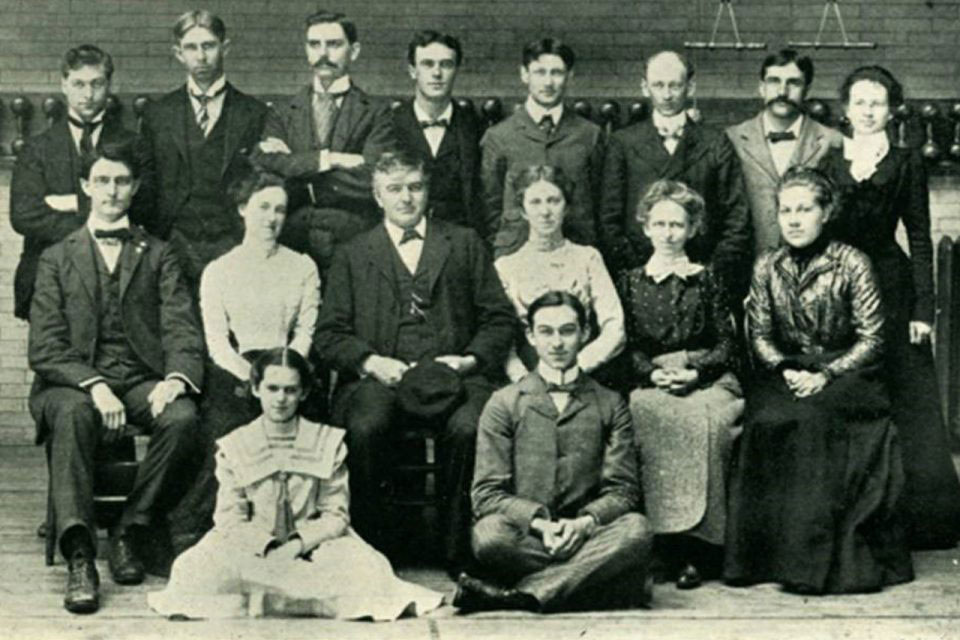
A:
{"points": [[777, 138]]}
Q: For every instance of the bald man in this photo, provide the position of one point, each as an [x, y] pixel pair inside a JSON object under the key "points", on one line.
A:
{"points": [[671, 145]]}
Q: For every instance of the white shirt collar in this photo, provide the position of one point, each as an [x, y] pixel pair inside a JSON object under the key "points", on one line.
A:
{"points": [[94, 223], [556, 376], [865, 152], [396, 233], [97, 119], [794, 128], [422, 116], [340, 85], [537, 111], [660, 267], [211, 91], [669, 123]]}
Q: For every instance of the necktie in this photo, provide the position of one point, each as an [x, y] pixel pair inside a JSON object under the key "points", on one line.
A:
{"points": [[443, 123], [284, 525], [324, 116], [781, 136], [410, 234], [668, 134], [568, 387], [203, 116], [546, 125], [112, 234], [86, 138]]}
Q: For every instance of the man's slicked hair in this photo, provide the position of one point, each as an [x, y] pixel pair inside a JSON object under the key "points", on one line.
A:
{"points": [[785, 57], [122, 152], [199, 18], [548, 46], [428, 37], [401, 159], [86, 55], [557, 299], [332, 17]]}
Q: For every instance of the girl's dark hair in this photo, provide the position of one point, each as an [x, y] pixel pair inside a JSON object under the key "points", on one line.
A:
{"points": [[282, 357], [816, 180], [547, 173], [242, 189], [873, 73]]}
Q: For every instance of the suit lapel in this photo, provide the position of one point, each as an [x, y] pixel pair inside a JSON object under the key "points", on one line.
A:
{"points": [[235, 123], [176, 111], [351, 111], [648, 148], [689, 150], [80, 249], [302, 118], [526, 127], [379, 253], [130, 258], [754, 143], [809, 144], [452, 137], [436, 249], [409, 122]]}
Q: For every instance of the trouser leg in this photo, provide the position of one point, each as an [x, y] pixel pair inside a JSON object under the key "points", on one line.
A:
{"points": [[506, 551]]}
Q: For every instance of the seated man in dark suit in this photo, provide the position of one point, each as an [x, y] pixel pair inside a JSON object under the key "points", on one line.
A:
{"points": [[555, 490], [114, 338], [46, 203], [446, 134], [411, 290]]}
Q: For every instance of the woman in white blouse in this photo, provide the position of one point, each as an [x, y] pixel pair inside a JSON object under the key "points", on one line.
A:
{"points": [[548, 262], [257, 296]]}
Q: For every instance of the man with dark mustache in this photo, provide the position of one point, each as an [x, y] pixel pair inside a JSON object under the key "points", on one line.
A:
{"points": [[779, 137], [325, 140]]}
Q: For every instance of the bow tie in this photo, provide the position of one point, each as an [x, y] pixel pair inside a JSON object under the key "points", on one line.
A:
{"points": [[204, 98], [122, 234], [443, 123], [567, 387], [781, 136], [410, 235], [667, 134]]}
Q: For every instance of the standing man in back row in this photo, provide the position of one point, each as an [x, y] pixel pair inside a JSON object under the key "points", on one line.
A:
{"points": [[542, 132], [200, 134], [325, 139]]}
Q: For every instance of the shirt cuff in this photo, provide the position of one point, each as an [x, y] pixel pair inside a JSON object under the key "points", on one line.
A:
{"points": [[324, 161], [179, 376], [87, 384]]}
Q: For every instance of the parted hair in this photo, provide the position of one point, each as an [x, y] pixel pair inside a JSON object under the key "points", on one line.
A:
{"points": [[86, 55], [557, 299], [282, 357], [326, 17], [548, 46], [788, 56], [546, 172], [428, 37], [122, 152], [691, 201], [242, 189], [873, 73], [199, 18], [401, 158], [816, 180]]}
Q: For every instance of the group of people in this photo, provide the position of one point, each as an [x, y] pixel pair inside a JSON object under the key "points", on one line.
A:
{"points": [[673, 350]]}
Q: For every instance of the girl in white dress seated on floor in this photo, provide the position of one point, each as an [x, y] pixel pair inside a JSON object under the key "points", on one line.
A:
{"points": [[282, 542]]}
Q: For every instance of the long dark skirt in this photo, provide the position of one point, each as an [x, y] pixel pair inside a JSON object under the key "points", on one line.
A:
{"points": [[814, 490]]}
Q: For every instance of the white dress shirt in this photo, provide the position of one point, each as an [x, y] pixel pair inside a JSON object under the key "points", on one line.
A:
{"points": [[411, 249], [670, 128], [537, 111], [560, 398], [434, 135], [782, 152], [109, 248], [77, 132], [214, 104]]}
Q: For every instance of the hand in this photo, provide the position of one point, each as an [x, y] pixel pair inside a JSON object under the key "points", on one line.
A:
{"points": [[289, 550], [573, 533], [661, 379], [339, 160], [111, 410], [164, 393], [549, 533], [387, 371], [792, 378], [683, 380], [66, 203], [920, 332], [461, 364], [274, 145], [810, 383]]}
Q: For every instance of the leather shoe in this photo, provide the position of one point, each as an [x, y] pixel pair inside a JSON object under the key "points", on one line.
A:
{"points": [[474, 594], [125, 567], [689, 578], [83, 584]]}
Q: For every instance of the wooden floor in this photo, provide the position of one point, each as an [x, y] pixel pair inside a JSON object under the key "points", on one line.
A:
{"points": [[31, 600]]}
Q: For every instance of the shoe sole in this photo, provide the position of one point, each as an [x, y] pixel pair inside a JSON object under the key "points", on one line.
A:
{"points": [[83, 606]]}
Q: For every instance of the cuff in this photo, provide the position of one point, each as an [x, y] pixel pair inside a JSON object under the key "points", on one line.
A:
{"points": [[87, 384], [180, 376], [324, 161], [522, 512]]}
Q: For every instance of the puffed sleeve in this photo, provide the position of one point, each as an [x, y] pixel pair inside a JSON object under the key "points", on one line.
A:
{"points": [[867, 317], [232, 513], [306, 321], [717, 360], [760, 314], [641, 366], [216, 323], [609, 314]]}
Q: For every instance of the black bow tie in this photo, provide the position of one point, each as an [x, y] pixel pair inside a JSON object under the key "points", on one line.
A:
{"points": [[114, 234], [443, 123], [567, 387], [781, 136], [409, 235]]}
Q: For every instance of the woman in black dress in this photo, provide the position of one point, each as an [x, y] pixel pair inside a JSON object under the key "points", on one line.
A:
{"points": [[879, 185], [817, 478]]}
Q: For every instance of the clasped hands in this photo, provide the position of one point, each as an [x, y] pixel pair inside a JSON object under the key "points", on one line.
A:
{"points": [[389, 371], [564, 537], [114, 414], [337, 159], [805, 383]]}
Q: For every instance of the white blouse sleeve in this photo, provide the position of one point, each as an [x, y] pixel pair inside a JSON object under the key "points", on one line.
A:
{"points": [[609, 312], [306, 321], [216, 322]]}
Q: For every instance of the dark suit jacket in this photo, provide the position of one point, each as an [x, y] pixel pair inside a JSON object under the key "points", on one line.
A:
{"points": [[50, 165], [760, 174], [516, 143], [363, 126], [158, 312], [164, 128], [464, 131], [468, 308], [533, 461], [705, 161]]}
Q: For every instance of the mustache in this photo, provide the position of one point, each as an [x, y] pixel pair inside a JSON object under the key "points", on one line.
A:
{"points": [[324, 62], [787, 101]]}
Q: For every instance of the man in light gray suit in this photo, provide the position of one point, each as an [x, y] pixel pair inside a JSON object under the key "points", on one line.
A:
{"points": [[779, 137]]}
